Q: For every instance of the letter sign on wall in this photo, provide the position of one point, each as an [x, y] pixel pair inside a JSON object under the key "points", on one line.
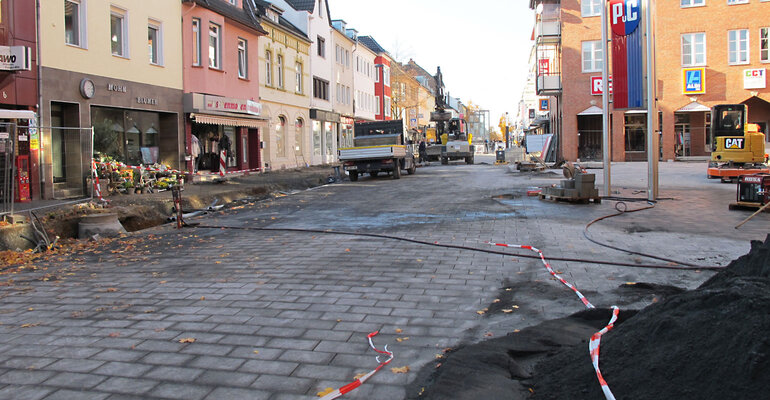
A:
{"points": [[627, 55]]}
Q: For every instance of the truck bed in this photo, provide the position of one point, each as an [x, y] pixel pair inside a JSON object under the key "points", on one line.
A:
{"points": [[372, 152]]}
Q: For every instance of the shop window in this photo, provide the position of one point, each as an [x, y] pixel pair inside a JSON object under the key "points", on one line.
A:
{"points": [[298, 77], [764, 44], [592, 8], [243, 66], [280, 136], [229, 131], [118, 34], [693, 49], [74, 23], [155, 42], [196, 45], [299, 128], [268, 68], [329, 139], [279, 65], [317, 138], [636, 132], [738, 46], [593, 56], [131, 137], [215, 46]]}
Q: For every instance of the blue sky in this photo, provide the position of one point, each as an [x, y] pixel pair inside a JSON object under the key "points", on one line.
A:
{"points": [[482, 46]]}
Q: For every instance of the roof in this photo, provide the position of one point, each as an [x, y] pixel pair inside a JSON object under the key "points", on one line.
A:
{"points": [[369, 42], [302, 5], [593, 110], [694, 107], [248, 16], [290, 27]]}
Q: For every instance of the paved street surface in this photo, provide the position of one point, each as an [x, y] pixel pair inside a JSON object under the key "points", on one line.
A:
{"points": [[285, 314]]}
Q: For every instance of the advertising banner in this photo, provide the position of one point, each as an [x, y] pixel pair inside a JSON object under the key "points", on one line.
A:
{"points": [[627, 54]]}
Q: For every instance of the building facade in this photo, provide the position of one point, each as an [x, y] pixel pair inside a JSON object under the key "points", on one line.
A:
{"points": [[19, 145], [284, 54], [221, 84], [702, 59], [363, 79], [343, 80], [382, 90], [114, 66]]}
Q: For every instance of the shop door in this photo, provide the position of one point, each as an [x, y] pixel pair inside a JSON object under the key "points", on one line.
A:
{"points": [[252, 144], [590, 137], [682, 133]]}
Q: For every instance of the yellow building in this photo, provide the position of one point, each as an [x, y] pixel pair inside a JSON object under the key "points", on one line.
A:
{"points": [[411, 100], [285, 92], [117, 66]]}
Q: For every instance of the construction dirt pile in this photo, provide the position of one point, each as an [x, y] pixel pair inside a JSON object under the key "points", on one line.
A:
{"points": [[709, 343]]}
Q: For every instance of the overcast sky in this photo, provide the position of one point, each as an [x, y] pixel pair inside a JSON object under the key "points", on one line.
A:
{"points": [[482, 46]]}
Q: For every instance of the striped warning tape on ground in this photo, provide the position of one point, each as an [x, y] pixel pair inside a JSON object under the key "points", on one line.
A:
{"points": [[593, 345], [360, 381]]}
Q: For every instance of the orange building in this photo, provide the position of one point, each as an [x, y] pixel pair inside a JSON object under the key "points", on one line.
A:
{"points": [[708, 52]]}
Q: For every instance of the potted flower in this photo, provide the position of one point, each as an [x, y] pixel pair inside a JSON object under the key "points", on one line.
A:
{"points": [[128, 186]]}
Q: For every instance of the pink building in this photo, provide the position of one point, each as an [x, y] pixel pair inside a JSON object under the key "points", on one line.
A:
{"points": [[221, 83]]}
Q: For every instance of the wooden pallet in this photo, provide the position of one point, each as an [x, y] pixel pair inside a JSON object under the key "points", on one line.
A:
{"points": [[578, 200], [746, 206]]}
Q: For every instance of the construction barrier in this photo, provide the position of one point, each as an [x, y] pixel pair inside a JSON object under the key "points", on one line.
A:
{"points": [[360, 381], [593, 345], [115, 164]]}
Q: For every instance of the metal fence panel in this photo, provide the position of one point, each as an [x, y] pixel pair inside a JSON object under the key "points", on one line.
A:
{"points": [[7, 152]]}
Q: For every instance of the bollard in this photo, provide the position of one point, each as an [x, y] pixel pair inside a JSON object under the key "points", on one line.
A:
{"points": [[176, 192]]}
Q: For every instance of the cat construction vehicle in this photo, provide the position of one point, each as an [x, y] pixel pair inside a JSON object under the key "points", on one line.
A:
{"points": [[738, 147]]}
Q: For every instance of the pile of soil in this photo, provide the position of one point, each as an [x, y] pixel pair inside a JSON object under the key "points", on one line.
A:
{"points": [[708, 343]]}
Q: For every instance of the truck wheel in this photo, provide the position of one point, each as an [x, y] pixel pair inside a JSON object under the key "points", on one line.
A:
{"points": [[412, 169], [469, 160], [353, 176], [396, 169], [444, 160]]}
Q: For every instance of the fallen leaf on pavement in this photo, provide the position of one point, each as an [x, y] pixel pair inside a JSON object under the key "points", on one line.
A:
{"points": [[29, 325], [438, 365], [325, 392], [203, 297], [256, 351], [400, 370], [359, 376], [187, 340], [399, 330], [496, 301], [507, 310], [114, 334], [439, 356], [402, 339], [508, 289], [163, 282], [480, 312]]}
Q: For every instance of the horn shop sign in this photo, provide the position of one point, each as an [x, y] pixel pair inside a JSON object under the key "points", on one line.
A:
{"points": [[627, 54]]}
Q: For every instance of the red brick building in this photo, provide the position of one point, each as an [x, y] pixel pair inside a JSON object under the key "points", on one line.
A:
{"points": [[719, 47]]}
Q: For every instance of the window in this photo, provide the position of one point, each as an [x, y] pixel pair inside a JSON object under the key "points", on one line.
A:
{"points": [[377, 75], [317, 138], [74, 23], [320, 89], [386, 75], [299, 126], [233, 2], [243, 65], [215, 47], [693, 49], [118, 36], [593, 59], [636, 132], [738, 46], [298, 77], [347, 58], [279, 61], [378, 111], [321, 47], [280, 129], [268, 68], [692, 3], [196, 50], [154, 43], [730, 2], [592, 8], [387, 106], [764, 44]]}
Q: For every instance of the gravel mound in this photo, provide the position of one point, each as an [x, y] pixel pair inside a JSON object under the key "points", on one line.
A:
{"points": [[709, 343]]}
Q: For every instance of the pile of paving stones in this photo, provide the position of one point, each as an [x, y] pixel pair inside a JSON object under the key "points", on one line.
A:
{"points": [[708, 343]]}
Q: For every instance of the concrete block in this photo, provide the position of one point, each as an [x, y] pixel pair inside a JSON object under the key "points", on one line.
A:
{"points": [[584, 178], [568, 183], [570, 193]]}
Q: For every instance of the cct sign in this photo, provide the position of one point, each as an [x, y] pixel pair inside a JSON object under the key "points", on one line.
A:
{"points": [[624, 16]]}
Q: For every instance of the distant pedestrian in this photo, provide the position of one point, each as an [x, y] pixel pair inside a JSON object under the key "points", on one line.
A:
{"points": [[423, 152], [195, 152]]}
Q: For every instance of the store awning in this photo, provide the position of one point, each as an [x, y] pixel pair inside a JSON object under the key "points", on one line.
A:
{"points": [[229, 121], [593, 110], [636, 112], [694, 107], [17, 114]]}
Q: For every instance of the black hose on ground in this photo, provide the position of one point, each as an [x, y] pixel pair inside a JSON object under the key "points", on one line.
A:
{"points": [[460, 247]]}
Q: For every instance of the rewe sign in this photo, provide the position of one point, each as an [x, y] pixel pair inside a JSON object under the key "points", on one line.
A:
{"points": [[627, 55], [596, 85]]}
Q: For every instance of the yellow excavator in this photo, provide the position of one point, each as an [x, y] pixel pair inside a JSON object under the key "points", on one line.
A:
{"points": [[738, 147]]}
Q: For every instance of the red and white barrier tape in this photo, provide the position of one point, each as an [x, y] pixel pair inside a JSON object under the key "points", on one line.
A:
{"points": [[593, 345], [97, 187], [360, 381], [171, 171], [222, 163]]}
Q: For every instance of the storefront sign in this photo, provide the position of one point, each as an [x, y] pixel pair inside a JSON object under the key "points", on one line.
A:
{"points": [[544, 66], [694, 80], [596, 85], [15, 58], [544, 105], [227, 104], [117, 88], [627, 54], [147, 100], [34, 136], [754, 78]]}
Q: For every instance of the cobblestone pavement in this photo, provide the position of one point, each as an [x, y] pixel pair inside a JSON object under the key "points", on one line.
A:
{"points": [[285, 314]]}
